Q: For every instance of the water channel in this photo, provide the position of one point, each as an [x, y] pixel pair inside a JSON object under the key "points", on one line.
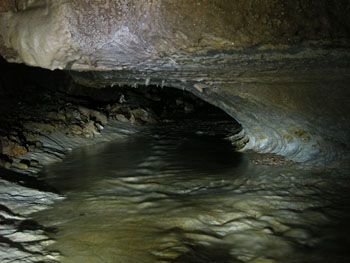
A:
{"points": [[179, 192]]}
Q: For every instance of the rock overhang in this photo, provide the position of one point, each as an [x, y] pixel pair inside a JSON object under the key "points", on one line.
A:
{"points": [[278, 70]]}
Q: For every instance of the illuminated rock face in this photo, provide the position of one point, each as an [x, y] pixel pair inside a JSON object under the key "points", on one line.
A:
{"points": [[272, 65]]}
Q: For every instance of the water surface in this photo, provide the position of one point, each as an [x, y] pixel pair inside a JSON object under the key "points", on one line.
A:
{"points": [[179, 193]]}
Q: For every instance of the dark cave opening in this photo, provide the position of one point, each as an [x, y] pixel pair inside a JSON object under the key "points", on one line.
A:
{"points": [[32, 86], [37, 102]]}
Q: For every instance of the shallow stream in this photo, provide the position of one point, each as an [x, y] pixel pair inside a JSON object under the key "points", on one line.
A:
{"points": [[180, 193]]}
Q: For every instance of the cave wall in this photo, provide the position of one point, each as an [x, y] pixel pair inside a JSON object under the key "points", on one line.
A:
{"points": [[290, 106], [83, 34], [281, 68]]}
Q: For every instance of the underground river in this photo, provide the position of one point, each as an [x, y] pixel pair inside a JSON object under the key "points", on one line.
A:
{"points": [[178, 192]]}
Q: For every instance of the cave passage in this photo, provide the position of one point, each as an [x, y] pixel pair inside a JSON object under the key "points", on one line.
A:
{"points": [[175, 131], [161, 182], [177, 192]]}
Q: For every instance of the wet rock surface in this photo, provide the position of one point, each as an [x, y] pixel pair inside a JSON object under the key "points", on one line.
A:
{"points": [[24, 124], [180, 193], [279, 68], [122, 33], [23, 240], [289, 103], [42, 120]]}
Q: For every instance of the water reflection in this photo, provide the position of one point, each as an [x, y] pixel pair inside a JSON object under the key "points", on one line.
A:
{"points": [[174, 196]]}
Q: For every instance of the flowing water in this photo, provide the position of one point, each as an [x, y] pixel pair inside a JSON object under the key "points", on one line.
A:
{"points": [[178, 193]]}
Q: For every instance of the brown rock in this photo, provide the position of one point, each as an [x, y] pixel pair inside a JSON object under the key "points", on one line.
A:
{"points": [[93, 114], [89, 128], [56, 116], [29, 136], [22, 165], [115, 107], [52, 115], [7, 6], [132, 119], [143, 115], [121, 117], [39, 127], [61, 117], [19, 150], [76, 129]]}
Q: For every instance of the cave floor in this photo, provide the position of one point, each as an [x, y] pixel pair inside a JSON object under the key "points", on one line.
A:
{"points": [[180, 193], [162, 185]]}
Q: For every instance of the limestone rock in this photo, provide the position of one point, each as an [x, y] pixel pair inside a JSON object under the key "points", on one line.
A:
{"points": [[23, 164], [13, 149], [19, 150], [69, 34], [31, 147], [121, 117], [93, 114], [143, 115], [34, 163], [40, 127], [39, 145], [280, 68], [115, 108], [76, 129], [89, 130]]}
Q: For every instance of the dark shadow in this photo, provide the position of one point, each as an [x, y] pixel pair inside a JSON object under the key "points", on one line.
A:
{"points": [[25, 180], [206, 254], [207, 154]]}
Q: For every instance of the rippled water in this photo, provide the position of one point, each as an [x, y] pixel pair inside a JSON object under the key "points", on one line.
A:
{"points": [[180, 194]]}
